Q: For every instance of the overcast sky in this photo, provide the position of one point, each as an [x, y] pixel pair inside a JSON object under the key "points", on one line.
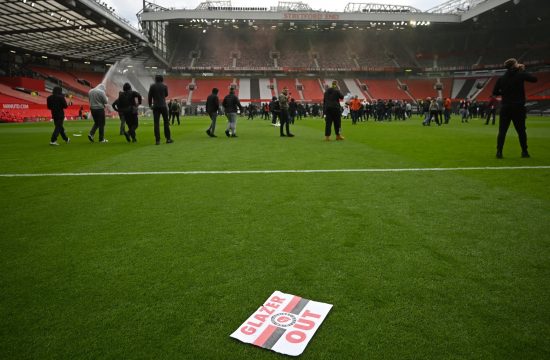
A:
{"points": [[129, 8]]}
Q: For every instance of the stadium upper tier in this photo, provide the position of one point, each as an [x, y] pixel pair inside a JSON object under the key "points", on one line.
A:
{"points": [[474, 34], [441, 47]]}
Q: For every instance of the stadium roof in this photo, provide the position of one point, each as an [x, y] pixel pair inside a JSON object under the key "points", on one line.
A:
{"points": [[86, 30], [453, 11]]}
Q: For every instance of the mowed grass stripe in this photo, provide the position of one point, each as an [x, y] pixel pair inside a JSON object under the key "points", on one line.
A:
{"points": [[306, 171]]}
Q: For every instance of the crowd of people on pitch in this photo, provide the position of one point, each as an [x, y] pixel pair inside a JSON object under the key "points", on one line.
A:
{"points": [[285, 109]]}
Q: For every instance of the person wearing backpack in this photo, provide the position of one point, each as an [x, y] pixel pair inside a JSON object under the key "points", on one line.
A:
{"points": [[127, 106]]}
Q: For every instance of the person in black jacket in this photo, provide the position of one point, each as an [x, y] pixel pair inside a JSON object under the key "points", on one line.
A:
{"points": [[57, 104], [511, 87], [157, 101], [333, 111], [275, 109], [212, 107], [127, 106], [230, 104]]}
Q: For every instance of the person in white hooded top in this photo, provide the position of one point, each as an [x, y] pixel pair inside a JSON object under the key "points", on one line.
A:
{"points": [[98, 100]]}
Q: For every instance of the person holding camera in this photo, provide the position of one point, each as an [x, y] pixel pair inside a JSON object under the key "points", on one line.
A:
{"points": [[333, 111], [511, 88]]}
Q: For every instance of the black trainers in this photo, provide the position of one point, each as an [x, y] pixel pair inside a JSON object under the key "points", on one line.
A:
{"points": [[290, 135], [499, 154], [127, 136], [208, 132], [234, 135], [157, 142], [227, 133], [525, 154], [90, 137], [283, 135], [169, 141]]}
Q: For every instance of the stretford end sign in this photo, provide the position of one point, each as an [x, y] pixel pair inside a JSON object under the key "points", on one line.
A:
{"points": [[285, 323]]}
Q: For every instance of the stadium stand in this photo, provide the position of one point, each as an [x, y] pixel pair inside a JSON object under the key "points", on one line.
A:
{"points": [[22, 96], [385, 89], [178, 88], [290, 84], [261, 57], [421, 89], [487, 90], [62, 78], [203, 88], [312, 90], [447, 84], [540, 88], [93, 78]]}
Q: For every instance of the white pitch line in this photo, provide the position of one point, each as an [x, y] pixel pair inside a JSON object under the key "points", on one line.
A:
{"points": [[304, 171]]}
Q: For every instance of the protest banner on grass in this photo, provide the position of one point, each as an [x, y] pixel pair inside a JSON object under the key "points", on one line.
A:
{"points": [[285, 323]]}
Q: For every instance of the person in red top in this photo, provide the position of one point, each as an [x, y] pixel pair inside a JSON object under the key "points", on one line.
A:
{"points": [[355, 106], [447, 110]]}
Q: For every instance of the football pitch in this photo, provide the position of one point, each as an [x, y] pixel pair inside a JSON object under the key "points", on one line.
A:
{"points": [[427, 245]]}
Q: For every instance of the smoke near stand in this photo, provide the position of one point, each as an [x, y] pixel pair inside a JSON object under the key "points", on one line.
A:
{"points": [[127, 70]]}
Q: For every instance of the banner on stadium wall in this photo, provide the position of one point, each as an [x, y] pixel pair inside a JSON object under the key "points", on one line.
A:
{"points": [[15, 106], [285, 323]]}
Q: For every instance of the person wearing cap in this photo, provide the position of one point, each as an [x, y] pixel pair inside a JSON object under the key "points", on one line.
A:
{"points": [[511, 88], [158, 92], [332, 111], [285, 118], [98, 100]]}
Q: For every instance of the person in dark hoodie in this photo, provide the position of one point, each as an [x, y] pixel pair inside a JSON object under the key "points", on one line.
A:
{"points": [[57, 104], [333, 111], [230, 104], [127, 106], [512, 89], [157, 101], [212, 107]]}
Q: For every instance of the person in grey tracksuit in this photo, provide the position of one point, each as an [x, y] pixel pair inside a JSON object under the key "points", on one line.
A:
{"points": [[98, 100]]}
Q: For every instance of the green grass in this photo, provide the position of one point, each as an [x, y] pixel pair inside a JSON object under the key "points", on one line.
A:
{"points": [[418, 265]]}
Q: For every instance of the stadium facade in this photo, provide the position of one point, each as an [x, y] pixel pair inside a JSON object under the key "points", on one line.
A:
{"points": [[377, 51]]}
